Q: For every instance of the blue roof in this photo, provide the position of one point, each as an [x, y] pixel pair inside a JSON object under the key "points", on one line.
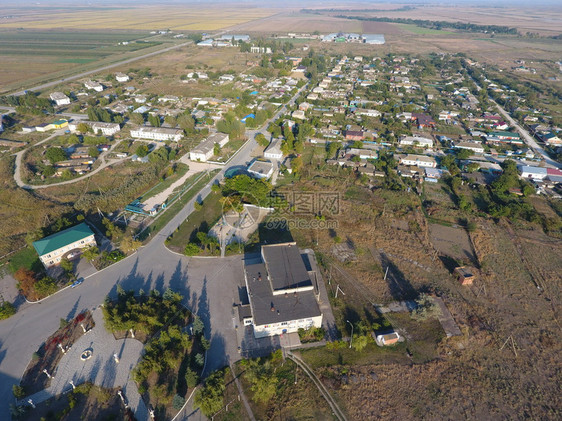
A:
{"points": [[248, 116], [254, 93]]}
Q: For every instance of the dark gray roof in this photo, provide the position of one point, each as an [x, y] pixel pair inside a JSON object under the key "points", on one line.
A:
{"points": [[268, 308], [285, 267], [244, 312]]}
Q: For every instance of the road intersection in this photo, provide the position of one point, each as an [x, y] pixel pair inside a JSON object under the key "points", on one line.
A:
{"points": [[208, 285]]}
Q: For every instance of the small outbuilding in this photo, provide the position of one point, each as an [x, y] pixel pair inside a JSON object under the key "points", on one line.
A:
{"points": [[465, 275]]}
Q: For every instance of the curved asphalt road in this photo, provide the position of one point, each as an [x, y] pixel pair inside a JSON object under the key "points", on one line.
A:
{"points": [[209, 286]]}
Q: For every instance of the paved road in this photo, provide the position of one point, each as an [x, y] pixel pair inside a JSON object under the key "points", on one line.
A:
{"points": [[529, 140], [210, 286]]}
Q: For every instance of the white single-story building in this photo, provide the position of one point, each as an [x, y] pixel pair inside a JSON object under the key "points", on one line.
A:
{"points": [[121, 77], [419, 160], [96, 86], [261, 168], [273, 151], [472, 146], [53, 248], [206, 148], [422, 142], [59, 98]]}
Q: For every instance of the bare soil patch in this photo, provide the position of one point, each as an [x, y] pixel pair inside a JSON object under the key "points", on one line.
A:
{"points": [[49, 353], [451, 241]]}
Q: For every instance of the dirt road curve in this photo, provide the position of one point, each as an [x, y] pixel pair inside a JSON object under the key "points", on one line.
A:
{"points": [[19, 157]]}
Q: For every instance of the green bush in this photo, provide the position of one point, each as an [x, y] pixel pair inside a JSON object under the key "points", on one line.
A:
{"points": [[7, 310], [178, 402], [191, 378], [192, 249], [19, 391]]}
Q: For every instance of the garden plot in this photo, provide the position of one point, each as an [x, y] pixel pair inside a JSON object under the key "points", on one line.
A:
{"points": [[452, 241]]}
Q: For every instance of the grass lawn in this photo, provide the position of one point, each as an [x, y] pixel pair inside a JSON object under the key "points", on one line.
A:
{"points": [[199, 220], [26, 258], [372, 354], [167, 216]]}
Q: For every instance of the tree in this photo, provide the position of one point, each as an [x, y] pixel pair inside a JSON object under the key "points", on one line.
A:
{"points": [[186, 122], [49, 171], [82, 127], [93, 152], [331, 149], [198, 326], [210, 397], [360, 342], [66, 264], [129, 244], [91, 253], [19, 391], [154, 120], [262, 140], [191, 378], [262, 379], [217, 149], [26, 282], [142, 150], [296, 164], [426, 308], [55, 155], [137, 118]]}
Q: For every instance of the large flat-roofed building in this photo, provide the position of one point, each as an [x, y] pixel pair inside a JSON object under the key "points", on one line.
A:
{"points": [[281, 292], [53, 248], [157, 133]]}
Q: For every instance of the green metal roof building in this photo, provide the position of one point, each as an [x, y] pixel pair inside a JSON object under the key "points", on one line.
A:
{"points": [[53, 248]]}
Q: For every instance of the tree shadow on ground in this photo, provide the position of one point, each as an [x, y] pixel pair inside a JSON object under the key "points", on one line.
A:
{"points": [[73, 310]]}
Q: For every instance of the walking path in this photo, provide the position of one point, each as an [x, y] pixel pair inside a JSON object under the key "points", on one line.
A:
{"points": [[446, 318], [242, 394], [194, 168], [101, 369], [308, 371]]}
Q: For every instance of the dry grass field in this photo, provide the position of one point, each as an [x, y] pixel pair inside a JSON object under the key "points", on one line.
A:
{"points": [[545, 20], [194, 18]]}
